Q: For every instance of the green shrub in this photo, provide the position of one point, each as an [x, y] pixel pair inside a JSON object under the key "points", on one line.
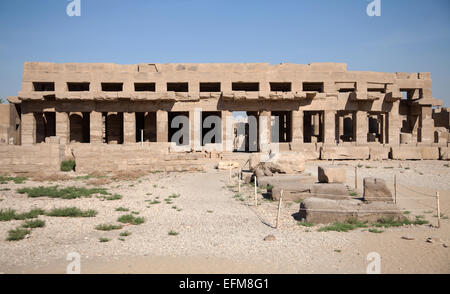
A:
{"points": [[103, 240], [64, 193], [31, 224], [108, 227], [10, 214], [17, 234], [16, 180], [122, 209], [68, 165], [348, 225], [131, 219], [71, 212], [305, 224], [125, 234], [172, 233]]}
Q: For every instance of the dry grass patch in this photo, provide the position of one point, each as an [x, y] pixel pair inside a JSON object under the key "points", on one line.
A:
{"points": [[99, 181], [39, 177], [127, 175]]}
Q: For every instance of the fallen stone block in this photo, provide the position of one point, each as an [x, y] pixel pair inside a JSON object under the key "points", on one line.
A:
{"points": [[332, 174], [406, 153], [247, 176], [324, 211], [226, 165], [379, 152], [281, 179], [297, 192], [376, 190], [445, 153], [429, 153], [344, 153]]}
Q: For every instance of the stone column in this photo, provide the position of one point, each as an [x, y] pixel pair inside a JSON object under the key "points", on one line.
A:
{"points": [[63, 127], [341, 128], [28, 129], [129, 127], [297, 126], [264, 130], [362, 127], [426, 125], [227, 131], [195, 126], [393, 125], [329, 135], [96, 127], [162, 126]]}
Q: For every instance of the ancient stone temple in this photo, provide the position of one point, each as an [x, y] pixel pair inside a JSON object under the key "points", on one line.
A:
{"points": [[322, 110]]}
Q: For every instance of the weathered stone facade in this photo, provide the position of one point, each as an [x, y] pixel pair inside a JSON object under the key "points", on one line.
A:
{"points": [[324, 110]]}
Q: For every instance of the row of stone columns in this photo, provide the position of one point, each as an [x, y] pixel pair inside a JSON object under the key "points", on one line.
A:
{"points": [[393, 123]]}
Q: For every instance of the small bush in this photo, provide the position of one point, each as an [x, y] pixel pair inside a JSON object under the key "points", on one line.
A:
{"points": [[71, 212], [125, 234], [122, 209], [114, 197], [31, 224], [16, 180], [103, 240], [68, 165], [10, 214], [172, 233], [108, 227], [17, 234], [346, 226], [375, 231], [305, 224], [64, 193], [131, 219]]}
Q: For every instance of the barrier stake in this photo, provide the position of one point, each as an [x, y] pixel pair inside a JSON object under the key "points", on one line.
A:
{"points": [[395, 189], [279, 208], [438, 210], [142, 138], [239, 181], [356, 178], [256, 193]]}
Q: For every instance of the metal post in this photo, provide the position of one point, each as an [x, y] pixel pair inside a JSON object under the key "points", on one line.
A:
{"points": [[279, 209], [438, 210]]}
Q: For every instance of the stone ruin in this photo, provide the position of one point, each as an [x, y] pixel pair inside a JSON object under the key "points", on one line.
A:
{"points": [[119, 117]]}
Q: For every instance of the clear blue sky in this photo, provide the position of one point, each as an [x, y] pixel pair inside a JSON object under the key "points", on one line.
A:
{"points": [[410, 35]]}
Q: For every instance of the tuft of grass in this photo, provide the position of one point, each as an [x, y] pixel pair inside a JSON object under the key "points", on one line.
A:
{"points": [[305, 224], [337, 250], [64, 193], [407, 212], [121, 239], [172, 233], [68, 165], [209, 211], [17, 234], [103, 240], [71, 212], [16, 180], [353, 193], [125, 234], [5, 189], [375, 231], [173, 196], [390, 222], [31, 224], [131, 219], [108, 227], [135, 212], [113, 197], [348, 225], [155, 202], [10, 214], [122, 209], [269, 187]]}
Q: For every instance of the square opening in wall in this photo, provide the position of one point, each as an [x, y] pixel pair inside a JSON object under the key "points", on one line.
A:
{"points": [[178, 87], [78, 87], [209, 87], [280, 87], [144, 87], [249, 87], [112, 87], [44, 86]]}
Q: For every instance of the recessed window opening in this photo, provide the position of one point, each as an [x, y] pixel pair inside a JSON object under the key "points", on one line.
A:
{"points": [[249, 87], [144, 87], [112, 87], [178, 87], [44, 86], [78, 87], [313, 87], [280, 87], [209, 87]]}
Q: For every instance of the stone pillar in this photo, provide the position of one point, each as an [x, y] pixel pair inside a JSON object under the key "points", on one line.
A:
{"points": [[264, 130], [28, 129], [129, 127], [329, 135], [227, 131], [362, 127], [96, 127], [297, 126], [393, 125], [162, 126], [63, 127], [195, 127], [426, 125], [341, 128]]}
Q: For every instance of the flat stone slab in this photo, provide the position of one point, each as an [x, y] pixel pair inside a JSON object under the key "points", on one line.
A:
{"points": [[344, 152], [281, 179], [324, 211], [332, 174], [376, 190], [297, 192]]}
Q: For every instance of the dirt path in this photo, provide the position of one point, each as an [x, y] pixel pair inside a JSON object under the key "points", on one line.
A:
{"points": [[218, 233]]}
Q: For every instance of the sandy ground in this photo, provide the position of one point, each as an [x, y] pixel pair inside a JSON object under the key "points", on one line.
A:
{"points": [[222, 234]]}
